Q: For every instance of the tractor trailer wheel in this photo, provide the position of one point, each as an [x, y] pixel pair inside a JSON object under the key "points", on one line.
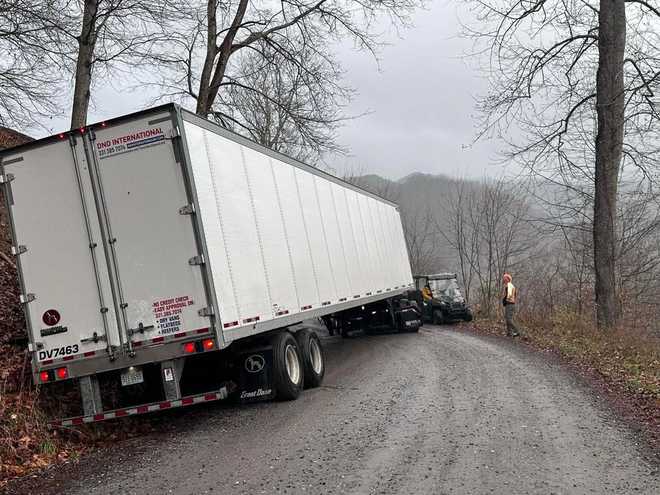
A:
{"points": [[288, 368], [313, 357]]}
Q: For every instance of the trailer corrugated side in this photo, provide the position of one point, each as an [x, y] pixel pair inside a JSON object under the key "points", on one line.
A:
{"points": [[133, 234], [286, 241]]}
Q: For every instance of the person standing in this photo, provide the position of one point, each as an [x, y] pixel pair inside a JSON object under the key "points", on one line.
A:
{"points": [[427, 293], [509, 295], [427, 301]]}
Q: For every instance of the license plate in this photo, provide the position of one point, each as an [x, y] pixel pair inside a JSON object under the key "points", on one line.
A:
{"points": [[131, 376]]}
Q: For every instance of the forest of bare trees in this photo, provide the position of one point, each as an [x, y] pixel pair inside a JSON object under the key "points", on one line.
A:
{"points": [[573, 88], [481, 228]]}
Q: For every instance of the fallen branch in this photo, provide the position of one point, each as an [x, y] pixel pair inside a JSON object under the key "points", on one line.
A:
{"points": [[8, 260]]}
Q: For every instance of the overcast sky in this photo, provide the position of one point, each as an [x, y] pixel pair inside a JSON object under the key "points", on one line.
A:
{"points": [[420, 103]]}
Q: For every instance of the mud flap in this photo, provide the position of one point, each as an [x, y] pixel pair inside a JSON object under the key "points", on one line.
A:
{"points": [[409, 320], [256, 375]]}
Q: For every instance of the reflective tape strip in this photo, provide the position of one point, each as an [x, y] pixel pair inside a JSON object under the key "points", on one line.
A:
{"points": [[305, 308], [280, 313], [143, 409], [250, 320], [155, 340]]}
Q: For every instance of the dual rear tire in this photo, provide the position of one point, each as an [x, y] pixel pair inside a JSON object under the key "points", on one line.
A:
{"points": [[298, 362]]}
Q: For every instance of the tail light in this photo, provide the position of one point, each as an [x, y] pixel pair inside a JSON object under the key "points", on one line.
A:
{"points": [[189, 347], [44, 376], [208, 344], [62, 373]]}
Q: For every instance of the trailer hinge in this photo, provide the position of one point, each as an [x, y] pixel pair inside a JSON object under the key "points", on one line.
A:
{"points": [[6, 178], [27, 298], [16, 250], [196, 260], [174, 132], [208, 311], [187, 210]]}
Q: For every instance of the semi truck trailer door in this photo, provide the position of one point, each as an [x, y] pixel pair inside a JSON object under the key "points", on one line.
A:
{"points": [[58, 250], [154, 250]]}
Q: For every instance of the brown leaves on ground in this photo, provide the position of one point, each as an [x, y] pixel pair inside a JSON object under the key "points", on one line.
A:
{"points": [[26, 443], [623, 364]]}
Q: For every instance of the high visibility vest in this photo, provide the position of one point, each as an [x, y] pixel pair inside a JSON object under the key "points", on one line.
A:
{"points": [[510, 293], [427, 294]]}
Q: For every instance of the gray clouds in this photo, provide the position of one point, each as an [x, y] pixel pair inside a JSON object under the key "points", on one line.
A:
{"points": [[420, 104]]}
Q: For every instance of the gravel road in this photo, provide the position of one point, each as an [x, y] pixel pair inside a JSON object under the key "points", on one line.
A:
{"points": [[439, 412]]}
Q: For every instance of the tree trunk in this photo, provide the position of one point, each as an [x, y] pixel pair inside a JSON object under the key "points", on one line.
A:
{"points": [[203, 105], [609, 145], [209, 86], [86, 45]]}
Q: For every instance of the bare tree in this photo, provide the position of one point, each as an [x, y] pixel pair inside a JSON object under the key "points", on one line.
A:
{"points": [[29, 86], [46, 40], [638, 247], [285, 106], [207, 60], [421, 236], [459, 232], [564, 73], [109, 35], [486, 225]]}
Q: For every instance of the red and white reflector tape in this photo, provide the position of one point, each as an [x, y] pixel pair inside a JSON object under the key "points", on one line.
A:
{"points": [[138, 343], [143, 408]]}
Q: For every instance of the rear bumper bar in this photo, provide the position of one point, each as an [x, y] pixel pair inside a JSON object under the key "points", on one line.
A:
{"points": [[143, 408]]}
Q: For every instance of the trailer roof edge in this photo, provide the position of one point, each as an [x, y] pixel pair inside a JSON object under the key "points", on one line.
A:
{"points": [[237, 138], [207, 124]]}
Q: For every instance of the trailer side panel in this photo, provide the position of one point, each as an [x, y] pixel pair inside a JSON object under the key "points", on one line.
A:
{"points": [[284, 241]]}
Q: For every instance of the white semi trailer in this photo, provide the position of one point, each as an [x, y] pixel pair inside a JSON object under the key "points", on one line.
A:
{"points": [[161, 241]]}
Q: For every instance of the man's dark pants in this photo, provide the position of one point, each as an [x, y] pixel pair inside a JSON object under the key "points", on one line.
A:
{"points": [[511, 328]]}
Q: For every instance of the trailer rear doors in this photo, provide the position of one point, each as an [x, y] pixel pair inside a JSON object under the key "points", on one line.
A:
{"points": [[105, 240]]}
